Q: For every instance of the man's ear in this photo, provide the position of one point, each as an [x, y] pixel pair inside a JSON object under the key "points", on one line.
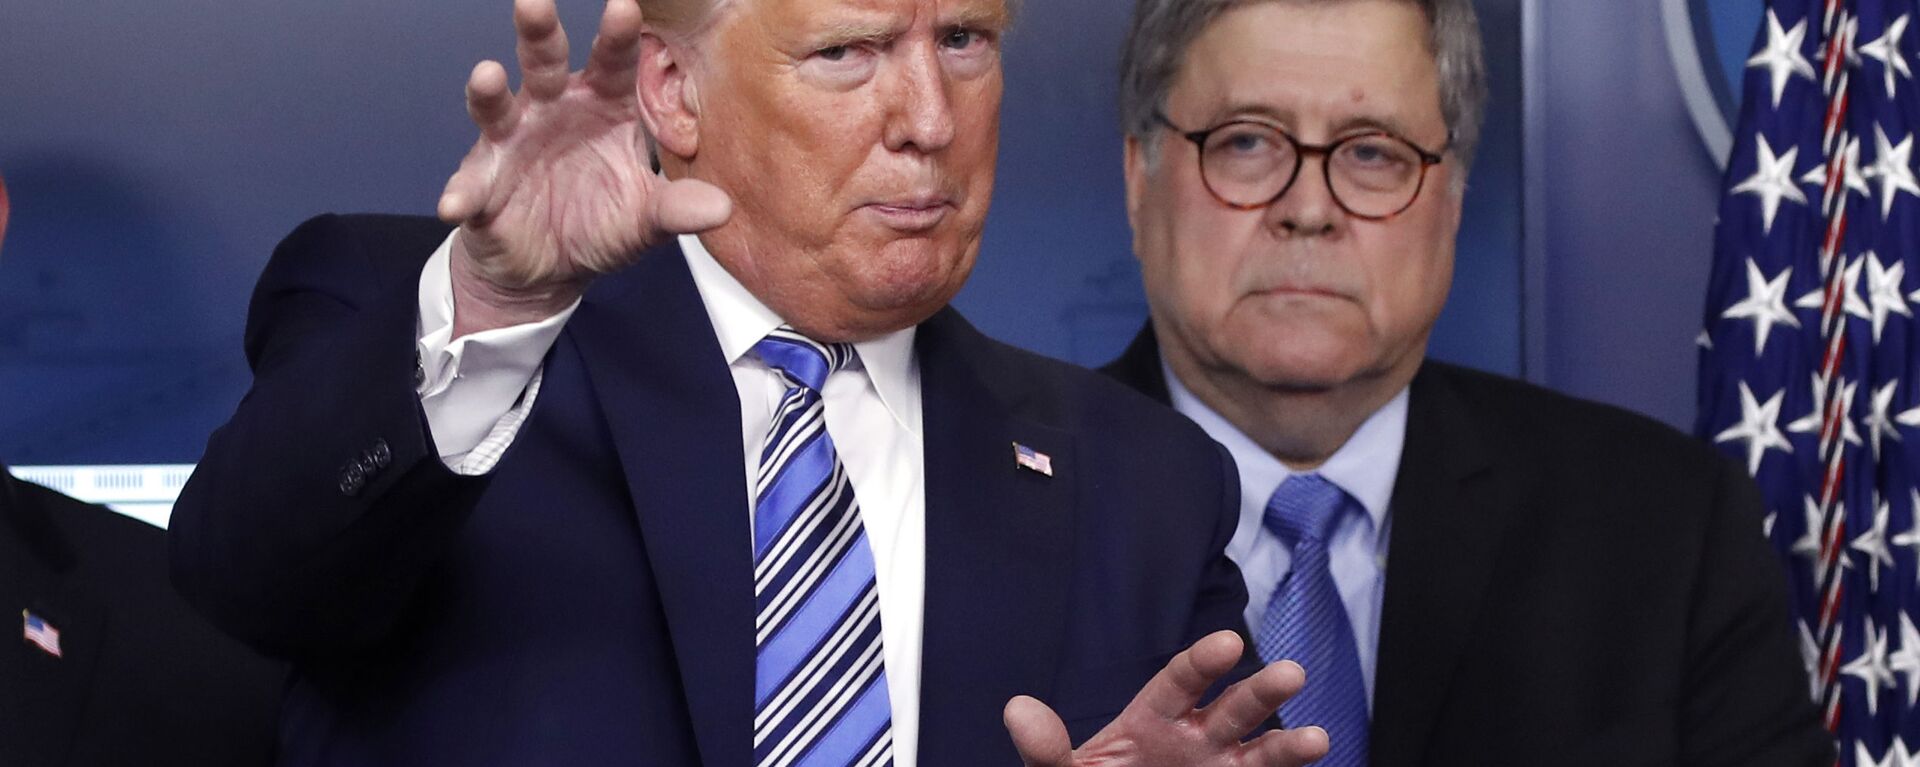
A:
{"points": [[1134, 166], [3, 210], [669, 98]]}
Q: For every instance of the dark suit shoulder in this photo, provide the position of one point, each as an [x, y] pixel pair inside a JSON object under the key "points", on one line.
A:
{"points": [[1077, 398], [344, 259], [1533, 420]]}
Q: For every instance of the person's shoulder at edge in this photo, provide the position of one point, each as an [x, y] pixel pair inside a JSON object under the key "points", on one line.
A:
{"points": [[1567, 434]]}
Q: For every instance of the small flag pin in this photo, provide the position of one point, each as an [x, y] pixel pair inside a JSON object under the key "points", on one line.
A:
{"points": [[39, 633], [1032, 460]]}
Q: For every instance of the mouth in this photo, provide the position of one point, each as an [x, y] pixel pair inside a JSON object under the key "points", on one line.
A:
{"points": [[912, 214], [1299, 291]]}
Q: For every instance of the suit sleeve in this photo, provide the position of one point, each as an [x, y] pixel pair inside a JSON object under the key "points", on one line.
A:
{"points": [[318, 507], [1222, 602], [1747, 700]]}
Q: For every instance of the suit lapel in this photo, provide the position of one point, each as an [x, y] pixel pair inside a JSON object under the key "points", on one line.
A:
{"points": [[1450, 516], [998, 549], [674, 414], [41, 716]]}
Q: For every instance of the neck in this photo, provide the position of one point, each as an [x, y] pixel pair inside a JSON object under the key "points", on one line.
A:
{"points": [[1302, 427]]}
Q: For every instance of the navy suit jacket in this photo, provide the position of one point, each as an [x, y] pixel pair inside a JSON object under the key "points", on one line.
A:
{"points": [[140, 678], [1571, 584], [590, 601]]}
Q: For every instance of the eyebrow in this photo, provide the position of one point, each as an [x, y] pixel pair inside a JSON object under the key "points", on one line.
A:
{"points": [[1236, 111], [975, 17]]}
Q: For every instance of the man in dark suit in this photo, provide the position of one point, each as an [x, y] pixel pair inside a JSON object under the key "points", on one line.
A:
{"points": [[1476, 571], [111, 667], [553, 488]]}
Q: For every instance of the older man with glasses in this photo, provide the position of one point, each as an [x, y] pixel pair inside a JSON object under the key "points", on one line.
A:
{"points": [[1570, 583]]}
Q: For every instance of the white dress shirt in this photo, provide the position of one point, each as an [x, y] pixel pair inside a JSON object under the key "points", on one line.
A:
{"points": [[1365, 467], [477, 390]]}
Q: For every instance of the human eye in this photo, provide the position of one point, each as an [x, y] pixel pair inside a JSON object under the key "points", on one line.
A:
{"points": [[840, 64], [1246, 140], [960, 39], [1376, 152], [967, 51]]}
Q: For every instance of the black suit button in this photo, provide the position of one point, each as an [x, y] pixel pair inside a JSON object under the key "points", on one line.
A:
{"points": [[382, 455], [419, 371]]}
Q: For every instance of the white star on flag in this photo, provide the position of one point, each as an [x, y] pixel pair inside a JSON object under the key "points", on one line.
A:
{"points": [[1878, 422], [1864, 758], [1757, 427], [1907, 660], [1809, 657], [1911, 538], [1808, 544], [1887, 50], [1851, 302], [1815, 418], [1883, 292], [1891, 164], [1765, 304], [1850, 171], [1871, 666], [1873, 543], [1772, 181], [1782, 58]]}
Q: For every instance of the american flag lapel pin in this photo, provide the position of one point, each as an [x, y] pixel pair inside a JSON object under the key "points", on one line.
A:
{"points": [[39, 633], [1032, 460]]}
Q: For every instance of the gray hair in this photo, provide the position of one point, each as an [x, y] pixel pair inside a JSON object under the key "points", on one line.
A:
{"points": [[1164, 29]]}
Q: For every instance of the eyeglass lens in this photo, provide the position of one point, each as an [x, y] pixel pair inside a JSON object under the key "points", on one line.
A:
{"points": [[1250, 164]]}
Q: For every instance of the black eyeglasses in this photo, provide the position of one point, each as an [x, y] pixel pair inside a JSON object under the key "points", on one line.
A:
{"points": [[1249, 165]]}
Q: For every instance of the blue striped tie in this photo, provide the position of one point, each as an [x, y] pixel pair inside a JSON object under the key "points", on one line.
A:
{"points": [[1307, 623], [820, 680]]}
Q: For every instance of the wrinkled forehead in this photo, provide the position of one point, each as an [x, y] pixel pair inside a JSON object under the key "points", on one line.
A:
{"points": [[694, 16], [1345, 60]]}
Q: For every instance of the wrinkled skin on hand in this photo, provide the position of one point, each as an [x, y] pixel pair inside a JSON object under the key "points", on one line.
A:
{"points": [[558, 188], [1161, 727]]}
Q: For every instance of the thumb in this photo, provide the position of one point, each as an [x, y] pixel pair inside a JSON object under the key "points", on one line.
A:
{"points": [[1038, 734], [690, 206]]}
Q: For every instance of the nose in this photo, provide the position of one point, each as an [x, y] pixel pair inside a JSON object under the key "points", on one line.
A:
{"points": [[1308, 208], [922, 118]]}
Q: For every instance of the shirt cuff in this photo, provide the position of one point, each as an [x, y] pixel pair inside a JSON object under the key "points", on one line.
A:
{"points": [[471, 388]]}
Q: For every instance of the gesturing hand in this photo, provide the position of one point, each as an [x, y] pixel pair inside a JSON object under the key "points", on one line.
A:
{"points": [[1161, 726], [558, 188]]}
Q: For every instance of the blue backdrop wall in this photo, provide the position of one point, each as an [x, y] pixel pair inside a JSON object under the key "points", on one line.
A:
{"points": [[156, 150]]}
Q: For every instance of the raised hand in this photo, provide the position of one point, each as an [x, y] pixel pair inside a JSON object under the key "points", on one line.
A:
{"points": [[1161, 727], [558, 189]]}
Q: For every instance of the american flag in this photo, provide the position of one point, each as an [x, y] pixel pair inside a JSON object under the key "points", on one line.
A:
{"points": [[1032, 460], [1809, 368], [38, 632]]}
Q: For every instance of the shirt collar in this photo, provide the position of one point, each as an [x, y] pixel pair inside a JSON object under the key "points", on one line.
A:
{"points": [[740, 320], [1365, 467]]}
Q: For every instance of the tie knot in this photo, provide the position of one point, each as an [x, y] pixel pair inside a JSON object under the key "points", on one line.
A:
{"points": [[1305, 506], [802, 360]]}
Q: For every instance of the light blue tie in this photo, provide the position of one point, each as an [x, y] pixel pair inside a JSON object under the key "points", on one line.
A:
{"points": [[820, 680], [1307, 623]]}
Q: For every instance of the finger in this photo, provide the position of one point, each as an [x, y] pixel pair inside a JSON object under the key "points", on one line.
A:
{"points": [[1250, 701], [689, 206], [460, 201], [1285, 748], [467, 192], [613, 65], [542, 48], [1037, 732], [1172, 692], [489, 102]]}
